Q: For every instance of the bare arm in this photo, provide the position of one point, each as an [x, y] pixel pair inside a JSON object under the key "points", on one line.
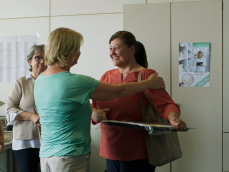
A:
{"points": [[105, 91], [27, 116], [2, 144], [13, 103]]}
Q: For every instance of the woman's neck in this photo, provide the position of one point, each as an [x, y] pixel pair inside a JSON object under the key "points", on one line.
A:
{"points": [[133, 67], [35, 74], [129, 69]]}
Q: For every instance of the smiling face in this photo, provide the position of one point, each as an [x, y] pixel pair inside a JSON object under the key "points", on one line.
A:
{"points": [[37, 66], [120, 53]]}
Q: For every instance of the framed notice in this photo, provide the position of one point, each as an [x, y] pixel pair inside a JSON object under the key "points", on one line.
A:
{"points": [[194, 64]]}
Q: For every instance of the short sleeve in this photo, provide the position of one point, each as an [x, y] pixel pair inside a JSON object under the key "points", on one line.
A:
{"points": [[85, 86]]}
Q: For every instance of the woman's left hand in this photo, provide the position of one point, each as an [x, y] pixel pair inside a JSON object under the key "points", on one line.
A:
{"points": [[174, 120], [178, 124]]}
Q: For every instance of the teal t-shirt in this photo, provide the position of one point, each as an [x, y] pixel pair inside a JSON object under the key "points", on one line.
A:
{"points": [[62, 101]]}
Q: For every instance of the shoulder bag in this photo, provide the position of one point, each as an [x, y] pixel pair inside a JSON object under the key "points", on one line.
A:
{"points": [[164, 148]]}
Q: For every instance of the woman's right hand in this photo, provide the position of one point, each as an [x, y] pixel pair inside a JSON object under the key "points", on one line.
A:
{"points": [[99, 115], [156, 81], [35, 118]]}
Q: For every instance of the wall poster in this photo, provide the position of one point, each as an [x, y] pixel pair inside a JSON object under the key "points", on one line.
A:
{"points": [[194, 64], [13, 56]]}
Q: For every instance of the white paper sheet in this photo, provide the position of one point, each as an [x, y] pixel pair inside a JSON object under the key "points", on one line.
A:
{"points": [[194, 64], [13, 56]]}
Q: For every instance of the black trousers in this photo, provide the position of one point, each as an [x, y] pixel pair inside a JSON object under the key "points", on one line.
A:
{"points": [[140, 165], [28, 159]]}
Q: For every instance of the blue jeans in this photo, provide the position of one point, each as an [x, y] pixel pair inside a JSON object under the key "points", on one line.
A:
{"points": [[129, 166], [28, 159]]}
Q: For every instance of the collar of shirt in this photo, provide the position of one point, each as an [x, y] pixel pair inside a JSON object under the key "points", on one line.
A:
{"points": [[30, 78]]}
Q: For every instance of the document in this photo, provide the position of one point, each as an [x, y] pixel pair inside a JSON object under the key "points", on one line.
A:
{"points": [[194, 64], [13, 56]]}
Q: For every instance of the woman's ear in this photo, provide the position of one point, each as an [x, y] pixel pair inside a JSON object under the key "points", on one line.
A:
{"points": [[132, 49], [30, 61]]}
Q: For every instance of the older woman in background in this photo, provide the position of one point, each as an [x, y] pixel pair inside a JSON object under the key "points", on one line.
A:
{"points": [[21, 112]]}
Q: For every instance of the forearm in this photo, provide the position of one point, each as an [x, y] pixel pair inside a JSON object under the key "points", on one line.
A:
{"points": [[105, 91], [25, 116], [128, 89]]}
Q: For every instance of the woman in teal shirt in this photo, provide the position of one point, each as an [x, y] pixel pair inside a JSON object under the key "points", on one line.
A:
{"points": [[62, 100]]}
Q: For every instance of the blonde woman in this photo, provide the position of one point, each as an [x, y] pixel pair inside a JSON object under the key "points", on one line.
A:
{"points": [[62, 100], [21, 112], [200, 62]]}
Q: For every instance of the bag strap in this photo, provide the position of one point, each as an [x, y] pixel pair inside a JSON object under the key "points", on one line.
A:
{"points": [[151, 104], [139, 80]]}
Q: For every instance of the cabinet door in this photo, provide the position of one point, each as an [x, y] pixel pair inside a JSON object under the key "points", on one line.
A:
{"points": [[201, 107], [225, 67], [150, 24], [225, 151]]}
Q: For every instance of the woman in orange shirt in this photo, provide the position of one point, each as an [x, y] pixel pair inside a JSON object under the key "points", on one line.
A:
{"points": [[125, 148]]}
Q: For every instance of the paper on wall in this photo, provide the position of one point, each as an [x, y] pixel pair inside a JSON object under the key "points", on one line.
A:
{"points": [[194, 64], [13, 56]]}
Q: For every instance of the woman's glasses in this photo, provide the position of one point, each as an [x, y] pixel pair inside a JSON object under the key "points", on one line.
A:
{"points": [[38, 58]]}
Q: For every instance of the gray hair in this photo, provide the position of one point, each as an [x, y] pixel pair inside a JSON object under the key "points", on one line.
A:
{"points": [[33, 50]]}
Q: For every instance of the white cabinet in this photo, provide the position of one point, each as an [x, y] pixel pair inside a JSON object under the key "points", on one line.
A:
{"points": [[200, 107], [226, 152], [150, 24], [225, 66]]}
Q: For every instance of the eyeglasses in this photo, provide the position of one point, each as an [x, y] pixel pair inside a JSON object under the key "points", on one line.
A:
{"points": [[38, 58]]}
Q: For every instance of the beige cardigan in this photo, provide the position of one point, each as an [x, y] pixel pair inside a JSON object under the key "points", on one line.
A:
{"points": [[21, 98]]}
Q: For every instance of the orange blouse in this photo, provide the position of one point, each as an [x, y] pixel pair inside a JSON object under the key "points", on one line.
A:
{"points": [[127, 144]]}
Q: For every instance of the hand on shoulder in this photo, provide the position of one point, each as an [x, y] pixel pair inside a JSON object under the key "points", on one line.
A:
{"points": [[156, 81]]}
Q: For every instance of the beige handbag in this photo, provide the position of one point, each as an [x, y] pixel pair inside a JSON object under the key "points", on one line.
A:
{"points": [[164, 148]]}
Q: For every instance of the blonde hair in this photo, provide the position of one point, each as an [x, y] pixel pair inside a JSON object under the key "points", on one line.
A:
{"points": [[61, 46], [198, 55]]}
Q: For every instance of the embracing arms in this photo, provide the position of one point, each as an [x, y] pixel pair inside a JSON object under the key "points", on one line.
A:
{"points": [[105, 91]]}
